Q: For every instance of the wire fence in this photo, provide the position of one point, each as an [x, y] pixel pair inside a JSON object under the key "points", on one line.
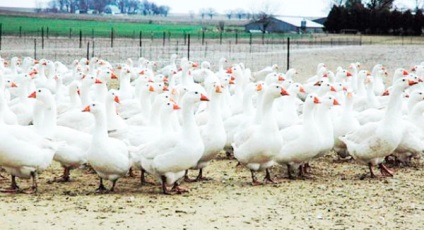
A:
{"points": [[259, 51]]}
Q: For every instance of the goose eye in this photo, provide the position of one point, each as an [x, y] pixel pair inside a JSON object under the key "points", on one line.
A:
{"points": [[196, 92], [168, 103], [39, 90], [93, 104]]}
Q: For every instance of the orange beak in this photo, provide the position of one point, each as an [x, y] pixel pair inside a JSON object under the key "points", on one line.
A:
{"points": [[229, 70], [405, 73], [218, 89], [141, 72], [203, 97], [151, 89], [78, 92], [302, 90], [116, 99], [386, 93], [333, 89], [410, 82], [316, 100], [335, 102], [176, 107], [280, 78], [36, 62], [284, 92], [194, 65], [13, 85], [349, 74], [97, 81], [33, 95], [258, 87], [317, 83], [113, 76], [86, 109], [165, 88]]}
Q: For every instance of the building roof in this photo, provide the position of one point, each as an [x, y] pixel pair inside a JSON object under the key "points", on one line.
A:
{"points": [[296, 21]]}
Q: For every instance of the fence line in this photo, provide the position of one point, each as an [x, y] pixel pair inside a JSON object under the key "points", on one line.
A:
{"points": [[252, 52]]}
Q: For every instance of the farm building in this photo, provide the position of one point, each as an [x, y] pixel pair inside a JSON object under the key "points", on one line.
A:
{"points": [[112, 9], [286, 25]]}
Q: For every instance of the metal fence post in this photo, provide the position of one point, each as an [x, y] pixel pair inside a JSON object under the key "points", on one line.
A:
{"points": [[88, 50], [35, 48], [288, 53], [188, 46]]}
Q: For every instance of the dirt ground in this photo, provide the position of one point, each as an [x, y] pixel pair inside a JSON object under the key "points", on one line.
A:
{"points": [[333, 198]]}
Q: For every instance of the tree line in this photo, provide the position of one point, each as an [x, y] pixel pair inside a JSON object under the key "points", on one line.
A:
{"points": [[144, 7], [374, 17]]}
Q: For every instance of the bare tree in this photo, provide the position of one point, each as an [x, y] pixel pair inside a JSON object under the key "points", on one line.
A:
{"points": [[240, 13], [229, 14], [211, 12]]}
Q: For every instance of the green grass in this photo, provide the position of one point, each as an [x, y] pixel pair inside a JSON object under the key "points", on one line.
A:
{"points": [[12, 25], [24, 25]]}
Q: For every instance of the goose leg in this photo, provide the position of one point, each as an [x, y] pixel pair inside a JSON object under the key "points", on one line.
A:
{"points": [[113, 185], [34, 183], [64, 178], [267, 177], [178, 189], [254, 179], [200, 177], [371, 170], [131, 172], [13, 187], [164, 188], [143, 180], [384, 170], [289, 172], [101, 187], [187, 178]]}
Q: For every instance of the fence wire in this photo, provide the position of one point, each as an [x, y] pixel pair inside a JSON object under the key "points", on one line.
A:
{"points": [[254, 54]]}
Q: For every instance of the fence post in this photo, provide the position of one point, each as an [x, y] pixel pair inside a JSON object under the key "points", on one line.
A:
{"points": [[80, 40], [111, 38], [236, 37], [288, 53], [35, 49], [47, 33], [163, 38], [20, 31], [220, 38], [263, 38], [188, 46], [92, 50], [88, 50], [42, 37], [70, 33], [185, 38], [1, 33], [360, 39], [92, 34], [203, 37], [250, 42]]}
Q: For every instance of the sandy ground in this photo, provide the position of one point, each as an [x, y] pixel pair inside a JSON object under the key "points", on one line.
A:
{"points": [[333, 198]]}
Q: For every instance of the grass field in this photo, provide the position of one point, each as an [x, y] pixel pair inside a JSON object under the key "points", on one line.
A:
{"points": [[30, 25]]}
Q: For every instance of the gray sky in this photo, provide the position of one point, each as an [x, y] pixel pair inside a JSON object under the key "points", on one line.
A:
{"points": [[281, 7]]}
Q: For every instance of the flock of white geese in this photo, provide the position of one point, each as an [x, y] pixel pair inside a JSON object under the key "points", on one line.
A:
{"points": [[177, 117]]}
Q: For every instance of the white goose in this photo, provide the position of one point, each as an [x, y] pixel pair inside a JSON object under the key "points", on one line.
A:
{"points": [[257, 144], [371, 143], [305, 139], [73, 151], [213, 132], [23, 152], [168, 160], [109, 157]]}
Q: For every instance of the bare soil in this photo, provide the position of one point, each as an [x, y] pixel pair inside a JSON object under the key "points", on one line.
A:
{"points": [[333, 198]]}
